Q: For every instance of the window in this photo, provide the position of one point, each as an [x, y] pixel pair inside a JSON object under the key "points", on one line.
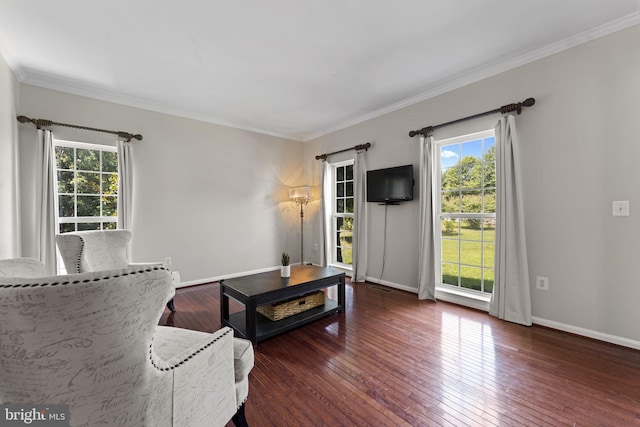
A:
{"points": [[467, 211], [87, 186], [342, 214]]}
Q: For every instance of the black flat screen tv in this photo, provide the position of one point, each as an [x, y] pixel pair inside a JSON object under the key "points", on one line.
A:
{"points": [[390, 185]]}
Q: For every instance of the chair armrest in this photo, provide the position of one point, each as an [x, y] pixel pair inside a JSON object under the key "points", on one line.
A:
{"points": [[203, 373]]}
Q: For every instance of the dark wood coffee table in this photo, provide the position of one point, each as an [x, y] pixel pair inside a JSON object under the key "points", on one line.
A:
{"points": [[269, 288]]}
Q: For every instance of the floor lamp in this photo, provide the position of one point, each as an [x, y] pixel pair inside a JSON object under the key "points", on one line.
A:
{"points": [[301, 195]]}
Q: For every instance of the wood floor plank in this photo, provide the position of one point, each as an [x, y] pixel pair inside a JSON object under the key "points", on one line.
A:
{"points": [[392, 360]]}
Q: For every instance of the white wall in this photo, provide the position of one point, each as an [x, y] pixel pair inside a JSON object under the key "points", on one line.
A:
{"points": [[580, 152], [212, 198], [9, 218]]}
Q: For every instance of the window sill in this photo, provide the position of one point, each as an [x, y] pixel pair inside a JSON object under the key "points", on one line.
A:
{"points": [[467, 299]]}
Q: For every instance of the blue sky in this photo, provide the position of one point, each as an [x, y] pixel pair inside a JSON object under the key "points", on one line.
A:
{"points": [[451, 154]]}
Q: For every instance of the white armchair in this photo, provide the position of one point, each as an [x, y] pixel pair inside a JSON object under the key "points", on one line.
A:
{"points": [[86, 251], [92, 341]]}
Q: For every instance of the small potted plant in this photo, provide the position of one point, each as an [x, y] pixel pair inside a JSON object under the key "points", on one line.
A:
{"points": [[285, 270]]}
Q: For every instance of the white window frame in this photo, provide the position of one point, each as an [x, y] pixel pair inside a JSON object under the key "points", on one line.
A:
{"points": [[445, 287], [80, 219], [333, 252]]}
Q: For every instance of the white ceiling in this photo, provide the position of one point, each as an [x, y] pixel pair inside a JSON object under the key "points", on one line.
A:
{"points": [[292, 68]]}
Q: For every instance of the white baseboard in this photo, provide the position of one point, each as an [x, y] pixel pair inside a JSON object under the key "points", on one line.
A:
{"points": [[226, 276], [613, 339], [392, 285]]}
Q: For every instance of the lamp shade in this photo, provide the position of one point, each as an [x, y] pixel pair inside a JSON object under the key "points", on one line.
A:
{"points": [[300, 193]]}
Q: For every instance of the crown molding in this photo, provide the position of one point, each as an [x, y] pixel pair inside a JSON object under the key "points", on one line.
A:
{"points": [[488, 70]]}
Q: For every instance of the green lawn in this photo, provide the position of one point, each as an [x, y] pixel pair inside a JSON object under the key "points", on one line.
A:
{"points": [[462, 248], [346, 247]]}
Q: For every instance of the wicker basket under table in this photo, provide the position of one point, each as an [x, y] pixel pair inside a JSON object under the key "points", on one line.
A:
{"points": [[282, 309]]}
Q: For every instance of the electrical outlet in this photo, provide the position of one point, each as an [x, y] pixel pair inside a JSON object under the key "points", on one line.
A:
{"points": [[167, 261], [315, 246], [542, 283], [621, 208]]}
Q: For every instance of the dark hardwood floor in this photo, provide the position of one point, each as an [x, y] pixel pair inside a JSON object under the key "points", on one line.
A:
{"points": [[392, 360]]}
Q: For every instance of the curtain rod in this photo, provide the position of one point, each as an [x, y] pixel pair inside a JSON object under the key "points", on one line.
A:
{"points": [[364, 147], [43, 123], [427, 131]]}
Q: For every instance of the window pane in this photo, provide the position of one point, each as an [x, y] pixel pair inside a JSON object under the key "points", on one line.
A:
{"points": [[471, 202], [347, 255], [449, 155], [471, 253], [470, 229], [88, 160], [488, 275], [490, 149], [65, 182], [349, 208], [65, 206], [64, 157], [109, 225], [84, 226], [338, 254], [340, 189], [109, 206], [88, 182], [450, 274], [109, 161], [349, 188], [489, 230], [340, 206], [471, 173], [450, 250], [451, 178], [88, 205], [489, 251], [450, 202], [349, 170], [490, 175], [346, 224], [472, 148], [490, 201], [345, 239], [67, 227], [450, 228], [340, 173], [110, 183], [470, 277]]}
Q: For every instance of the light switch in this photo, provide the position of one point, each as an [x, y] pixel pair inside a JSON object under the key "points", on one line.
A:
{"points": [[621, 208]]}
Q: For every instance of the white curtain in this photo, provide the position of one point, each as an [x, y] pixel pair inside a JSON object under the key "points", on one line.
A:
{"points": [[46, 204], [325, 212], [125, 184], [427, 243], [511, 298], [360, 218]]}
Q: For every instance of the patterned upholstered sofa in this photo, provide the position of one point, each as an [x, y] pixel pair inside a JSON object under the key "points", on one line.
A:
{"points": [[92, 341]]}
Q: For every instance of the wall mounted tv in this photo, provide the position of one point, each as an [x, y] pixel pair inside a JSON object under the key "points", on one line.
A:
{"points": [[390, 185]]}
